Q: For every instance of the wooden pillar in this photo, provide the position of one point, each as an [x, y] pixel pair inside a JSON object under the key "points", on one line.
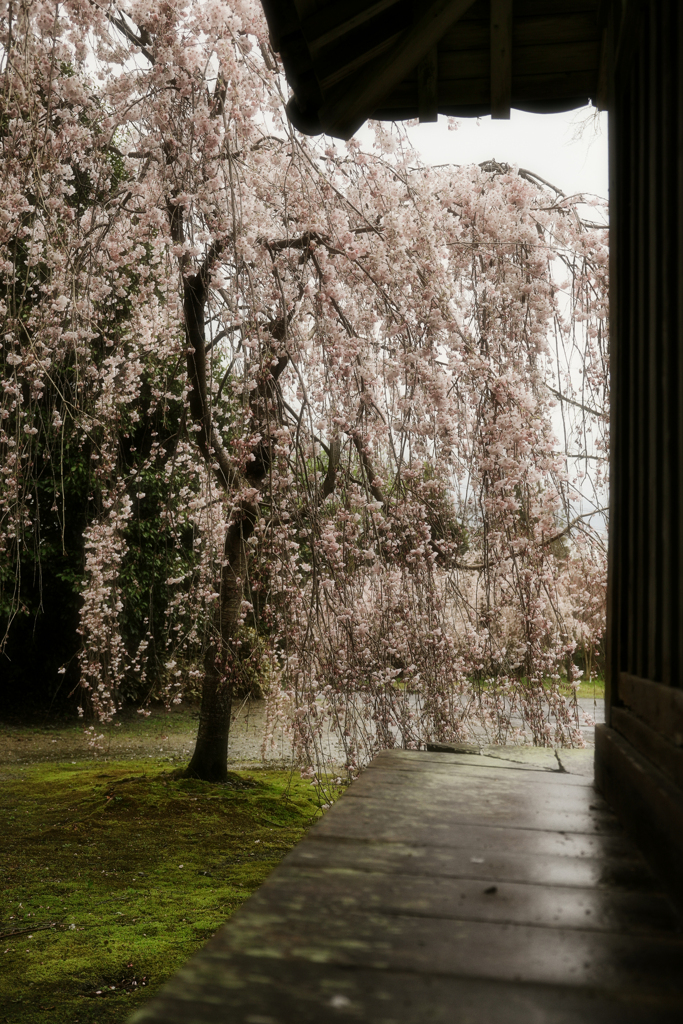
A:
{"points": [[639, 753]]}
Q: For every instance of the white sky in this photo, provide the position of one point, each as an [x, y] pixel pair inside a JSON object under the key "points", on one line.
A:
{"points": [[552, 145]]}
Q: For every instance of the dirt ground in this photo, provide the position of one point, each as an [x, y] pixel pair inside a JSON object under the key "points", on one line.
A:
{"points": [[162, 735], [170, 736]]}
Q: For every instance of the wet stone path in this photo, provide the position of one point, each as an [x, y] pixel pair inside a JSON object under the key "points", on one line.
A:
{"points": [[448, 888]]}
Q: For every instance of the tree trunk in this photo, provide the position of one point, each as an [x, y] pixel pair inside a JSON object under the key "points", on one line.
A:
{"points": [[210, 758], [209, 761]]}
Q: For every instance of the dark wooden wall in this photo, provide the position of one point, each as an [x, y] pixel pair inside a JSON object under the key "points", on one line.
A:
{"points": [[640, 758]]}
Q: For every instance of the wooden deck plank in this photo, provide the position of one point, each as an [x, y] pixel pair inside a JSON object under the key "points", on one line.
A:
{"points": [[439, 890], [611, 962], [263, 990], [499, 775], [372, 820], [481, 802], [544, 766], [615, 873], [466, 899]]}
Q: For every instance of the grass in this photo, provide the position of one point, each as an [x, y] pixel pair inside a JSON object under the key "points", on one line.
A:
{"points": [[115, 873], [595, 689]]}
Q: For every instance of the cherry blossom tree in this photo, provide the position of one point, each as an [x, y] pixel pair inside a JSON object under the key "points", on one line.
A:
{"points": [[340, 371]]}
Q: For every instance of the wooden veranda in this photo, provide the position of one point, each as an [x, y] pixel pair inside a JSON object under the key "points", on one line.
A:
{"points": [[452, 887], [447, 888]]}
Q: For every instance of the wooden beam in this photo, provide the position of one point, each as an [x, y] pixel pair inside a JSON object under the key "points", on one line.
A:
{"points": [[323, 28], [648, 804], [345, 111], [428, 87], [552, 59], [648, 742], [659, 705], [336, 76], [501, 59]]}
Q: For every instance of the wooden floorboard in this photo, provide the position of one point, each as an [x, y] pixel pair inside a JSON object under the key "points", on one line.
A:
{"points": [[445, 887]]}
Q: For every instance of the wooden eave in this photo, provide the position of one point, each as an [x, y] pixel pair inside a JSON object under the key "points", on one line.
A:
{"points": [[349, 60]]}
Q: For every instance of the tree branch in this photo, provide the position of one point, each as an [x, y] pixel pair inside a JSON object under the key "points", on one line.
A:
{"points": [[139, 41], [570, 526], [195, 294], [370, 474], [572, 401], [330, 481], [481, 566]]}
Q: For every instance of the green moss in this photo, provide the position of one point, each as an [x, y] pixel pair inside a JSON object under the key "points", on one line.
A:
{"points": [[121, 872]]}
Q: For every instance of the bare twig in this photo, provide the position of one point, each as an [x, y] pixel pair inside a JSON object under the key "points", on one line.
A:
{"points": [[30, 928], [572, 401]]}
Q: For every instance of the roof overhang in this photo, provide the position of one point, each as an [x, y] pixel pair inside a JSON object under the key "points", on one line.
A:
{"points": [[348, 60]]}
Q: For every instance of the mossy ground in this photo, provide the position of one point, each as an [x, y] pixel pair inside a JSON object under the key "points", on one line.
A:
{"points": [[115, 872]]}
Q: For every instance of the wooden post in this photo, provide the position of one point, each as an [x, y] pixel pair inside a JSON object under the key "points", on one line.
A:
{"points": [[639, 753], [501, 59]]}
